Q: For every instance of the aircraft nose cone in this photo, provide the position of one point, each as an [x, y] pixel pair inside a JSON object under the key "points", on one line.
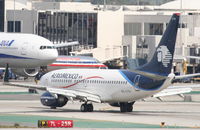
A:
{"points": [[50, 57], [53, 55]]}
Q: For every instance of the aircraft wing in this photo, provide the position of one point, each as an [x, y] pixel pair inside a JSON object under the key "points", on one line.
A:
{"points": [[71, 94], [172, 91], [75, 94], [33, 86], [193, 57], [187, 75], [176, 90], [184, 57], [66, 44]]}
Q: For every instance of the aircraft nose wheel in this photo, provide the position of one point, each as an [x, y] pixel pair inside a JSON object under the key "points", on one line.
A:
{"points": [[86, 107]]}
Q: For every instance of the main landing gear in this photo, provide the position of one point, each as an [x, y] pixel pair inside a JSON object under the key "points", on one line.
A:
{"points": [[126, 107], [53, 107], [86, 107], [6, 76]]}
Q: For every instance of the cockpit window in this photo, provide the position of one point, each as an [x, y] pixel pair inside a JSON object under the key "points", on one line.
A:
{"points": [[47, 47]]}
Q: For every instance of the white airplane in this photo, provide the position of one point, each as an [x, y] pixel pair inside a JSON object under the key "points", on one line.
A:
{"points": [[25, 53], [117, 87]]}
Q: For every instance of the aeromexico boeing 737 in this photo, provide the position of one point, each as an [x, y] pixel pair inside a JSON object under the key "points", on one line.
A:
{"points": [[25, 53], [117, 87]]}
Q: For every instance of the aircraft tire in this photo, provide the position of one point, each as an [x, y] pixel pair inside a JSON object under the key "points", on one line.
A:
{"points": [[90, 108], [129, 108], [126, 107], [84, 108], [123, 107]]}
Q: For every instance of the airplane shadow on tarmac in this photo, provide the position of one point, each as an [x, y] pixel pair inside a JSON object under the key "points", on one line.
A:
{"points": [[134, 113]]}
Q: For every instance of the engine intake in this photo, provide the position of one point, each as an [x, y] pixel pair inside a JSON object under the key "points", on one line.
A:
{"points": [[26, 72], [47, 99]]}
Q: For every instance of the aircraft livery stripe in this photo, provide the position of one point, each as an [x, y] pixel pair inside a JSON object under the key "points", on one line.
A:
{"points": [[78, 65], [151, 86], [93, 77], [126, 78], [86, 62], [11, 42], [12, 56]]}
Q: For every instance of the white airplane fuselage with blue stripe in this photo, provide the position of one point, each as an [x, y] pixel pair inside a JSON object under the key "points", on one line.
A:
{"points": [[23, 51]]}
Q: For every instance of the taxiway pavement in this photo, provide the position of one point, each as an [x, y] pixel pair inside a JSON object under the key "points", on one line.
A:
{"points": [[19, 106]]}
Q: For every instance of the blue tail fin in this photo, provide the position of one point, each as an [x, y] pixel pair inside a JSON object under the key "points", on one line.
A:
{"points": [[161, 63]]}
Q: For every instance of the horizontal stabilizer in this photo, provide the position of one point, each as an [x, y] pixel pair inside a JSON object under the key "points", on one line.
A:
{"points": [[172, 91], [187, 76]]}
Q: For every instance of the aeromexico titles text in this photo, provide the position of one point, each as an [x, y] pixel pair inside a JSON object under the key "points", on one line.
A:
{"points": [[66, 76]]}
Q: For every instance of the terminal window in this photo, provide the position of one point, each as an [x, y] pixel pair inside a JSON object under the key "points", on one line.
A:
{"points": [[132, 28], [153, 28], [11, 26], [2, 11]]}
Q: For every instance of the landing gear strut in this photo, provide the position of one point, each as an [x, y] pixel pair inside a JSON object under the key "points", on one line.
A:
{"points": [[86, 107], [126, 107], [6, 76]]}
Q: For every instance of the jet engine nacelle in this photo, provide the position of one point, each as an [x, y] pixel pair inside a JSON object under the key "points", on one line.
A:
{"points": [[49, 100], [26, 72]]}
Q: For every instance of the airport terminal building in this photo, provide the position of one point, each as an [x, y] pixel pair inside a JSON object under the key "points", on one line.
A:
{"points": [[68, 26], [108, 33]]}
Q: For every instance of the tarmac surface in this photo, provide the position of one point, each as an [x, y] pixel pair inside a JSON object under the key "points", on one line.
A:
{"points": [[19, 106]]}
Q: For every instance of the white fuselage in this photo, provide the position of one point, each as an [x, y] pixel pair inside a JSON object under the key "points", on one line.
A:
{"points": [[109, 85], [25, 50]]}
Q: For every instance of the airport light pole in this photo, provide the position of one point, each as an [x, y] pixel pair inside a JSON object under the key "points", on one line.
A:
{"points": [[181, 40], [181, 22], [104, 3]]}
